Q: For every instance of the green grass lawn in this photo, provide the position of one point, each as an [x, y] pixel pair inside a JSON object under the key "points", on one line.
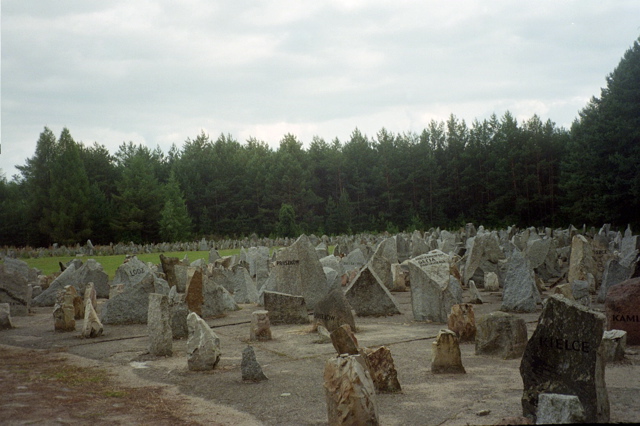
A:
{"points": [[49, 265]]}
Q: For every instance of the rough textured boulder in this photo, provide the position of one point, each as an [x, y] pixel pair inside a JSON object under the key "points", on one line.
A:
{"points": [[14, 286], [622, 308], [350, 392], [203, 345], [369, 297], [92, 326], [462, 321], [77, 277], [168, 267], [260, 326], [581, 262], [554, 408], [446, 356], [285, 308], [614, 343], [5, 317], [563, 356], [614, 274], [384, 256], [251, 370], [382, 369], [344, 341], [64, 311], [501, 334]]}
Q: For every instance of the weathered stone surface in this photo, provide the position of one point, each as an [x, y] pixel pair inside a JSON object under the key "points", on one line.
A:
{"points": [[474, 294], [90, 295], [244, 289], [344, 341], [614, 273], [92, 326], [203, 345], [129, 296], [194, 290], [181, 276], [418, 244], [355, 260], [285, 308], [580, 292], [501, 335], [483, 249], [178, 312], [77, 277], [298, 272], [563, 356], [446, 356], [63, 310], [323, 334], [520, 293], [251, 370], [14, 286], [622, 308], [159, 326], [216, 299], [334, 310], [213, 255], [382, 369], [383, 257], [260, 326], [168, 267], [349, 391], [491, 282], [462, 321], [614, 343], [564, 290], [369, 297], [5, 317], [400, 277], [581, 262], [433, 290], [403, 248], [554, 408]]}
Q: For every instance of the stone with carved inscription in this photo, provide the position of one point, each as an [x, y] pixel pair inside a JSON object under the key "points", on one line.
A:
{"points": [[350, 392], [622, 308], [433, 290], [129, 296], [564, 356], [334, 310]]}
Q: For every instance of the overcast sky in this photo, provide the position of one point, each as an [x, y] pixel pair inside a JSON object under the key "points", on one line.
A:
{"points": [[159, 72]]}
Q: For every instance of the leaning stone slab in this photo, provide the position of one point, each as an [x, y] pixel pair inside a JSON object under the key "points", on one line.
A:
{"points": [[344, 341], [563, 356], [251, 370], [334, 310], [285, 308], [380, 263], [446, 356], [622, 308], [501, 335], [203, 345], [614, 274], [92, 326], [433, 290], [554, 408], [349, 392], [369, 297], [159, 326]]}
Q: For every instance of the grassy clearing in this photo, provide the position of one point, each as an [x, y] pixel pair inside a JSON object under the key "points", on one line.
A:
{"points": [[49, 265]]}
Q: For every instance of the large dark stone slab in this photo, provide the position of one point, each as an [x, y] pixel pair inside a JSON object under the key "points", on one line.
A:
{"points": [[622, 307], [563, 357]]}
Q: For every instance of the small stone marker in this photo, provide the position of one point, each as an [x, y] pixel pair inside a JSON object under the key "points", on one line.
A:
{"points": [[491, 282], [285, 308], [614, 343], [203, 345], [556, 409], [474, 294], [501, 334], [622, 308], [580, 292], [462, 321], [344, 341], [178, 312], [78, 304], [251, 370], [563, 356], [92, 326], [90, 294], [446, 358], [64, 311], [369, 297], [159, 326], [349, 392], [5, 317], [382, 369], [334, 310], [260, 326]]}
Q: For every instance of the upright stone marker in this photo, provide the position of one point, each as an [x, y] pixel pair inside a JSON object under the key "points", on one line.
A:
{"points": [[203, 345], [159, 326], [5, 317], [285, 308], [251, 370], [563, 357], [446, 356], [129, 296], [369, 297], [333, 311], [501, 334], [622, 307], [520, 291]]}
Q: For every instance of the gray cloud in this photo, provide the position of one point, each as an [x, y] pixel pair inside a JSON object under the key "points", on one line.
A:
{"points": [[157, 72]]}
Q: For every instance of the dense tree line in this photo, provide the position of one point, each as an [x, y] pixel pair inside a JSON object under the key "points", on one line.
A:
{"points": [[495, 172]]}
